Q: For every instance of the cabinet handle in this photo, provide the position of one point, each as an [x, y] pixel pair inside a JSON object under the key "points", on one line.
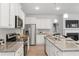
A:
{"points": [[10, 25]]}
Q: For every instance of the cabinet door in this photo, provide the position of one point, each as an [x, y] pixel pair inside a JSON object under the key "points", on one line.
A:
{"points": [[19, 10], [12, 15], [48, 47], [16, 9], [23, 17], [19, 52], [4, 15], [52, 50], [39, 39], [58, 52]]}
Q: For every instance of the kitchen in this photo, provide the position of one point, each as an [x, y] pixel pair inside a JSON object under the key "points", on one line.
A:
{"points": [[39, 29]]}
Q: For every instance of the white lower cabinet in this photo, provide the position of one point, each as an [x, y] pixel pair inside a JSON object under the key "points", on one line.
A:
{"points": [[51, 50], [39, 39], [19, 52], [58, 52], [6, 53], [48, 47], [71, 53]]}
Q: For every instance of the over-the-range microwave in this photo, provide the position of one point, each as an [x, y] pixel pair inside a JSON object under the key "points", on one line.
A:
{"points": [[18, 22]]}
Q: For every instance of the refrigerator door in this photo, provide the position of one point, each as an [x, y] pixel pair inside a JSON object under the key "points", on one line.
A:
{"points": [[32, 30]]}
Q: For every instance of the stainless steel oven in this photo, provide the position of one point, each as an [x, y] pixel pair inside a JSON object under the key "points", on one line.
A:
{"points": [[11, 37]]}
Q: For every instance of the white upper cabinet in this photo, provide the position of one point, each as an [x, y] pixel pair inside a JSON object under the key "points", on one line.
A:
{"points": [[44, 24], [41, 23], [8, 11], [12, 16], [7, 15], [16, 9], [4, 15], [19, 12]]}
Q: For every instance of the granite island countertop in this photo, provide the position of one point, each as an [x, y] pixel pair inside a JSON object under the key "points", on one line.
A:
{"points": [[64, 46], [11, 46]]}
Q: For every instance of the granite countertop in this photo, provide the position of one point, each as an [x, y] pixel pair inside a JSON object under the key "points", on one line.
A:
{"points": [[63, 45], [11, 46]]}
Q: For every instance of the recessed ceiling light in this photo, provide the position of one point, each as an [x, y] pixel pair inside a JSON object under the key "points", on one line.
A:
{"points": [[57, 8], [55, 21], [37, 8], [65, 15]]}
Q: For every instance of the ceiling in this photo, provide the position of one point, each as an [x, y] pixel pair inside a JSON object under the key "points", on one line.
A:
{"points": [[50, 8]]}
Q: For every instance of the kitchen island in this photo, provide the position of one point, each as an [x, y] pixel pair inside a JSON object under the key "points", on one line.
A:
{"points": [[59, 46], [12, 49]]}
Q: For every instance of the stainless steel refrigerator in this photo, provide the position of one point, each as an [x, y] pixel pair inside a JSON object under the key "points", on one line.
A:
{"points": [[30, 29]]}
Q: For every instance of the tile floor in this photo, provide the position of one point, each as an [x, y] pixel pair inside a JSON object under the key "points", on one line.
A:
{"points": [[37, 50]]}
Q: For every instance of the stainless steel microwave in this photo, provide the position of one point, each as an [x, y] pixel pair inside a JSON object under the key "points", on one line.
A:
{"points": [[18, 22]]}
